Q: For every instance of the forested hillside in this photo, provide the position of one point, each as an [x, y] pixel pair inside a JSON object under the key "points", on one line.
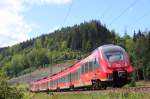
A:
{"points": [[74, 43]]}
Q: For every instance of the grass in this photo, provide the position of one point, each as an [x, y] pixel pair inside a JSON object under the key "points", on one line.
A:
{"points": [[122, 94], [118, 95]]}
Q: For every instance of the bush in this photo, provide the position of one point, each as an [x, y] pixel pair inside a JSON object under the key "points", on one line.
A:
{"points": [[7, 91], [132, 84]]}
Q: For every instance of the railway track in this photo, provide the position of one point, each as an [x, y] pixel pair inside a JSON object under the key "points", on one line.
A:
{"points": [[137, 89], [109, 90]]}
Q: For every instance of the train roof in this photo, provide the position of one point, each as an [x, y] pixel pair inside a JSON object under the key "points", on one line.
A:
{"points": [[110, 47]]}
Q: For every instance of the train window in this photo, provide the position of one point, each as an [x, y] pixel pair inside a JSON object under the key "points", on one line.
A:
{"points": [[72, 76], [76, 75], [35, 86], [32, 86], [39, 85], [62, 80], [65, 79], [54, 82], [90, 65], [42, 85], [82, 69], [69, 77], [50, 83], [59, 80], [86, 67], [114, 56], [95, 64], [45, 84], [79, 74]]}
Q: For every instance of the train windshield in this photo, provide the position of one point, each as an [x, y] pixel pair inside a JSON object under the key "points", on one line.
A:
{"points": [[114, 56]]}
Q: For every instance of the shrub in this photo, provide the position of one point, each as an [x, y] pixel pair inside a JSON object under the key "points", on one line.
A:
{"points": [[132, 84], [7, 91]]}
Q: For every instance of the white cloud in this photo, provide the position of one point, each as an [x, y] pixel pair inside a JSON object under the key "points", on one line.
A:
{"points": [[13, 27], [46, 2]]}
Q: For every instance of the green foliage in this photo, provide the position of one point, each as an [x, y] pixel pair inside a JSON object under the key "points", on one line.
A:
{"points": [[141, 55], [132, 84], [7, 91]]}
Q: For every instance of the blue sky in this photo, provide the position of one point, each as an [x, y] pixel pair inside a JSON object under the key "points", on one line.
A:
{"points": [[25, 19]]}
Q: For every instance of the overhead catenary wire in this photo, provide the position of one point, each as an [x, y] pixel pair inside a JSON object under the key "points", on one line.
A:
{"points": [[68, 12], [123, 12], [106, 10], [140, 18]]}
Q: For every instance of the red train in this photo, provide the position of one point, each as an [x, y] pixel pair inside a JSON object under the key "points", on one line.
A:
{"points": [[108, 65]]}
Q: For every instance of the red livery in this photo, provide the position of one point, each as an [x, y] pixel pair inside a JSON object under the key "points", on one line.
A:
{"points": [[108, 65]]}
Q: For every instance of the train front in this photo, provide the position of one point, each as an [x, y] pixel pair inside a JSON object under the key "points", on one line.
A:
{"points": [[116, 64]]}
